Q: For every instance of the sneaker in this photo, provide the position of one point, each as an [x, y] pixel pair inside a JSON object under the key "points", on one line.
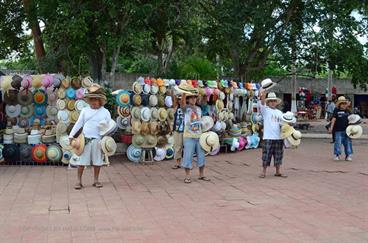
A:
{"points": [[337, 158], [349, 158]]}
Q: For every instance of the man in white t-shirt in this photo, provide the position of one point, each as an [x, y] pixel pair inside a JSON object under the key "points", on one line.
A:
{"points": [[273, 145]]}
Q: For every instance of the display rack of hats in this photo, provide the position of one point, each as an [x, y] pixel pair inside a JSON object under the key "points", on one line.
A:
{"points": [[32, 109], [145, 114]]}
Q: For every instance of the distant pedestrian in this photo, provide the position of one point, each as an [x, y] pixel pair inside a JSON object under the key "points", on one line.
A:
{"points": [[330, 109], [339, 123], [178, 130]]}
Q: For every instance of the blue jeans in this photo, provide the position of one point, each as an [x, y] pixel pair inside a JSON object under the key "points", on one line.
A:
{"points": [[192, 145], [341, 138]]}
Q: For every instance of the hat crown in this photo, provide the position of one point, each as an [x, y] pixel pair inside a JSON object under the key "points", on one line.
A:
{"points": [[271, 95], [297, 135]]}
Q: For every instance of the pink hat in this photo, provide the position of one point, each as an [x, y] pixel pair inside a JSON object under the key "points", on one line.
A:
{"points": [[208, 91], [242, 143], [80, 93], [47, 80], [27, 82], [216, 92]]}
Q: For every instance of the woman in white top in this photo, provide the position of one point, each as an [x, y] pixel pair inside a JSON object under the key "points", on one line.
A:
{"points": [[89, 119]]}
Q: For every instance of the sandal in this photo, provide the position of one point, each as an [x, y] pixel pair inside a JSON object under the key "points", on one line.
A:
{"points": [[187, 180], [176, 167], [203, 178], [262, 176], [97, 184], [78, 186], [281, 175]]}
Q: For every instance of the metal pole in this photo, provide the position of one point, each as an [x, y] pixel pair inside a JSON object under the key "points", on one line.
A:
{"points": [[293, 95]]}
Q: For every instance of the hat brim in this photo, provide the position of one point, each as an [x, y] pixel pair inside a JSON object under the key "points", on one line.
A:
{"points": [[293, 141], [269, 86], [341, 102], [103, 98], [356, 135], [278, 100], [79, 151]]}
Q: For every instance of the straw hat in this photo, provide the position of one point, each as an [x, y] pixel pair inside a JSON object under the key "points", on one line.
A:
{"points": [[162, 90], [170, 114], [123, 98], [354, 119], [51, 112], [64, 141], [61, 93], [67, 155], [63, 115], [87, 82], [288, 117], [137, 100], [134, 153], [145, 128], [73, 116], [267, 84], [161, 101], [65, 83], [6, 83], [25, 97], [49, 136], [39, 153], [295, 138], [61, 104], [209, 141], [162, 141], [77, 144], [341, 100], [136, 113], [153, 100], [37, 81], [136, 126], [20, 135], [286, 131], [153, 127], [11, 97], [168, 101], [123, 111], [96, 92], [70, 105], [354, 131], [219, 105], [272, 96], [108, 145], [138, 140], [107, 127], [162, 112], [137, 88], [122, 122], [54, 153], [154, 89], [76, 82], [150, 141], [187, 89], [61, 129], [12, 110], [34, 137], [40, 97], [207, 123], [56, 82], [154, 114], [145, 114], [47, 80], [80, 104]]}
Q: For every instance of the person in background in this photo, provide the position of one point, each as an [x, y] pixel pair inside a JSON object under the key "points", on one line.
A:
{"points": [[178, 130]]}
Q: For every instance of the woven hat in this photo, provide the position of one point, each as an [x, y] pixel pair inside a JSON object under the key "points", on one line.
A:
{"points": [[39, 110], [25, 97], [219, 105], [10, 152], [56, 82], [354, 119], [138, 140], [123, 98], [79, 94], [34, 137], [70, 105], [87, 82], [40, 97], [162, 90], [64, 142], [11, 97], [16, 82], [153, 100], [134, 153], [187, 89], [341, 100], [65, 83], [107, 127], [145, 128], [235, 131], [272, 96], [76, 82], [70, 93], [162, 141], [77, 144], [209, 141], [170, 114], [123, 111], [51, 96], [54, 153], [80, 104], [5, 82], [61, 129], [12, 110], [73, 116], [137, 100], [162, 114], [168, 101], [161, 101], [136, 126], [20, 135], [49, 136], [354, 131], [25, 152], [153, 127], [27, 82], [36, 81], [108, 145], [122, 122], [154, 89], [150, 141], [145, 99], [136, 113], [63, 115], [207, 123], [160, 154], [23, 122], [286, 131], [267, 84], [96, 92], [146, 89], [288, 117], [61, 104], [154, 114], [61, 93], [51, 112], [145, 114], [39, 153], [295, 138], [137, 88]]}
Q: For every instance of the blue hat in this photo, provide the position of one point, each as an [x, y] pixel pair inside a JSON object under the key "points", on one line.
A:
{"points": [[134, 153], [70, 93], [169, 153], [39, 110], [123, 98]]}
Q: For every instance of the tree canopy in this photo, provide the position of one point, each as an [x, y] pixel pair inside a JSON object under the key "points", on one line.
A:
{"points": [[246, 40]]}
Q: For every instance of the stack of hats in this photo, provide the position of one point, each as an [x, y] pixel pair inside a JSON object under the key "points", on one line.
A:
{"points": [[292, 137], [354, 130]]}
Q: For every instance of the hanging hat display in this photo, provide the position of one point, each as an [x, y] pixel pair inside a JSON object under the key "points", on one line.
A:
{"points": [[145, 114], [153, 100], [76, 82], [134, 153], [123, 98], [137, 88], [70, 93], [11, 97], [79, 94], [61, 93], [37, 81], [40, 97], [70, 105], [87, 82], [25, 97], [39, 153], [145, 128], [137, 100], [123, 111], [153, 127], [54, 153], [47, 80]]}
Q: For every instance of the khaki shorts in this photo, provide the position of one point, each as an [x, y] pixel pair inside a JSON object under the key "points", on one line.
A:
{"points": [[92, 154], [178, 145]]}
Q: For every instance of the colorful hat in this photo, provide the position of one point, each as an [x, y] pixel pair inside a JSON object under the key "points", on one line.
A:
{"points": [[107, 127], [39, 153], [162, 114], [134, 153], [153, 100], [137, 88], [56, 82], [11, 97], [169, 153], [207, 123], [160, 82], [12, 110], [47, 80], [136, 113], [80, 104], [160, 154], [27, 82], [37, 81], [70, 93], [140, 80], [288, 117], [40, 97], [87, 82], [108, 145], [209, 141], [80, 93], [272, 96], [67, 155], [235, 131], [145, 114], [354, 131], [123, 111], [242, 143], [295, 138], [70, 105], [137, 100], [138, 140], [123, 98], [25, 152], [39, 110], [25, 97], [61, 104], [54, 153]]}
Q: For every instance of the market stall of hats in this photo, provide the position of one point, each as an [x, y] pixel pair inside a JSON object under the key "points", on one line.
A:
{"points": [[36, 107]]}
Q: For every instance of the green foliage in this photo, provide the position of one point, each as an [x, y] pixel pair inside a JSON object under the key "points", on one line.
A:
{"points": [[197, 68]]}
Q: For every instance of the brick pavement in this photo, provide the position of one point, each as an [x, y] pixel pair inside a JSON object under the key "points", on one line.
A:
{"points": [[320, 201]]}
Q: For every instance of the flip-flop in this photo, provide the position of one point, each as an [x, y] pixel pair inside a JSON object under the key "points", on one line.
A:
{"points": [[78, 186], [176, 167], [187, 180], [262, 176], [281, 175], [97, 185], [203, 178]]}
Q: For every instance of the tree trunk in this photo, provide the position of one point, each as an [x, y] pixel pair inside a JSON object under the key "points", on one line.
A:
{"points": [[96, 62], [114, 63], [31, 13]]}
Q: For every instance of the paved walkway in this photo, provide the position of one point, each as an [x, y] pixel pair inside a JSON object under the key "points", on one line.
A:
{"points": [[320, 201]]}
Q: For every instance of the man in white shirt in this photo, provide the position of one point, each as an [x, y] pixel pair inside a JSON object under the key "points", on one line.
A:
{"points": [[88, 120], [273, 145]]}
